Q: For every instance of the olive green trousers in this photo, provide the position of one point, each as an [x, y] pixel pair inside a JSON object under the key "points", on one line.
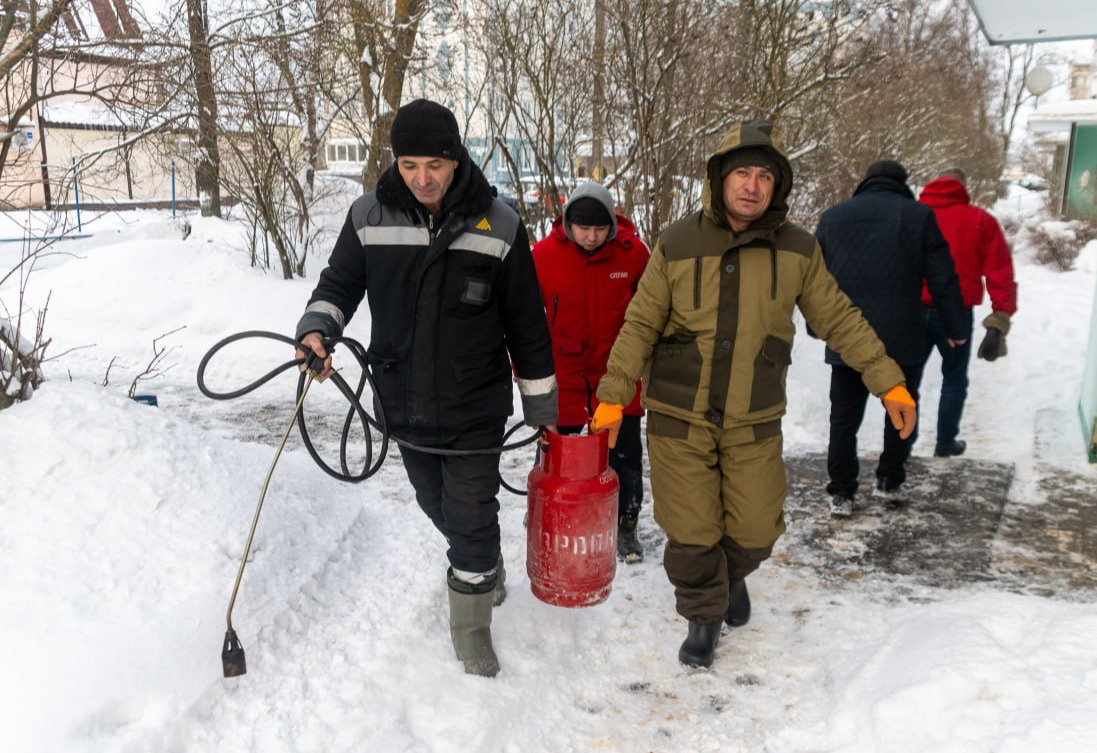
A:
{"points": [[719, 495]]}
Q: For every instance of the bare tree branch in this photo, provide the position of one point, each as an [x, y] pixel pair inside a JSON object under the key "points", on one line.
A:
{"points": [[153, 370]]}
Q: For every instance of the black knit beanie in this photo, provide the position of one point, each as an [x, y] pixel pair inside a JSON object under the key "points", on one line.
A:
{"points": [[588, 211], [751, 156], [886, 168], [425, 129]]}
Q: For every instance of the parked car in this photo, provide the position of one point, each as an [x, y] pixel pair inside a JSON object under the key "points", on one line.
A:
{"points": [[534, 197], [1033, 184], [505, 194]]}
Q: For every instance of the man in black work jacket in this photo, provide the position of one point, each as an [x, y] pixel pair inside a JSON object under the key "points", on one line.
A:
{"points": [[452, 290], [880, 245]]}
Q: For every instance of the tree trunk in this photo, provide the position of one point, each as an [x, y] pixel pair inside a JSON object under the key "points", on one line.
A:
{"points": [[360, 23], [598, 126], [405, 25], [207, 170]]}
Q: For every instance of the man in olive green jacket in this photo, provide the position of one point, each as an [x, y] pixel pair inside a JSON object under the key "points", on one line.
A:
{"points": [[710, 330]]}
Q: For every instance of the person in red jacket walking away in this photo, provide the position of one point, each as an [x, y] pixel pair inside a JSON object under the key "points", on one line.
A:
{"points": [[980, 252], [589, 267]]}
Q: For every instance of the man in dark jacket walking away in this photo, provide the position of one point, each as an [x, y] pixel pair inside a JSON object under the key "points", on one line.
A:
{"points": [[452, 290], [882, 246], [980, 252], [711, 329], [589, 267]]}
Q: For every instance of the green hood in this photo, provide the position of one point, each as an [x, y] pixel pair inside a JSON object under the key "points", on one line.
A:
{"points": [[751, 133]]}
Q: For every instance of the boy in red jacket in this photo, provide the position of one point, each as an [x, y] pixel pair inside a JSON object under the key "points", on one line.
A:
{"points": [[588, 268], [980, 252]]}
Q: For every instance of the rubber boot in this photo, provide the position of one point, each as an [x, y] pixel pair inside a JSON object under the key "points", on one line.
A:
{"points": [[500, 583], [470, 626], [738, 604], [628, 548], [699, 647]]}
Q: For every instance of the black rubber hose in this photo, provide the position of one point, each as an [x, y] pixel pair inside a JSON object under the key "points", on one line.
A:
{"points": [[370, 465]]}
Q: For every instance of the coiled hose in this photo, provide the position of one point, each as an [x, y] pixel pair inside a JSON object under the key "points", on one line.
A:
{"points": [[373, 458]]}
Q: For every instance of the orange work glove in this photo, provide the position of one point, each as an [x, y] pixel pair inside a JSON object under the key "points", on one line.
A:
{"points": [[608, 417], [901, 410]]}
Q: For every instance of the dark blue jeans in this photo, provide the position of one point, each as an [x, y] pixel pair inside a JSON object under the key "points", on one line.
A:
{"points": [[848, 396], [954, 363]]}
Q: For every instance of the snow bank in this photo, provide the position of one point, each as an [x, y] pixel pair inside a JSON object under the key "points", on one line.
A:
{"points": [[995, 672], [119, 530]]}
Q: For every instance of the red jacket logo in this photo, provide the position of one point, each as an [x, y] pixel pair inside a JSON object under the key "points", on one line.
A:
{"points": [[618, 275]]}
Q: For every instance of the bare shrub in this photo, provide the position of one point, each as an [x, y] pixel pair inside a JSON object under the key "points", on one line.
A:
{"points": [[23, 341], [1086, 230], [1011, 225], [155, 368], [20, 360], [1057, 244]]}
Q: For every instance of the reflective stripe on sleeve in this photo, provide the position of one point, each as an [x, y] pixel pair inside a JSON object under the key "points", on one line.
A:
{"points": [[532, 387], [323, 307]]}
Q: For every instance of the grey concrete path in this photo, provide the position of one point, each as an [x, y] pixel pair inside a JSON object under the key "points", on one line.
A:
{"points": [[956, 524]]}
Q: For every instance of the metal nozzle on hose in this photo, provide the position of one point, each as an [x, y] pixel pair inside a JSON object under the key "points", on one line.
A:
{"points": [[232, 653]]}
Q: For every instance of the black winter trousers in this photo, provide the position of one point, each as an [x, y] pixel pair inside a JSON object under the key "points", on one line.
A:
{"points": [[848, 396], [458, 494], [627, 461]]}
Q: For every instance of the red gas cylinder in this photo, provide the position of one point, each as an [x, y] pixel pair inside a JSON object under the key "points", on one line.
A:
{"points": [[571, 538]]}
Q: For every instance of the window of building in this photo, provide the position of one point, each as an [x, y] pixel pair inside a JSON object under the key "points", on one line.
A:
{"points": [[186, 148], [346, 151]]}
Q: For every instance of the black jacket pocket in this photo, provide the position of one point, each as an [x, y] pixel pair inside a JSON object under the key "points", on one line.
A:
{"points": [[472, 372], [481, 389], [675, 370], [770, 367], [390, 386], [477, 287], [477, 292]]}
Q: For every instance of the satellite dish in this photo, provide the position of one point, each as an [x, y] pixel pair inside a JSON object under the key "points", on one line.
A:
{"points": [[1039, 80]]}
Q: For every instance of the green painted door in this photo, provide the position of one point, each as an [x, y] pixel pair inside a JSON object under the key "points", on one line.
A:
{"points": [[1081, 188]]}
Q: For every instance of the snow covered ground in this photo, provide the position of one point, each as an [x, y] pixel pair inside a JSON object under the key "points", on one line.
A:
{"points": [[121, 527]]}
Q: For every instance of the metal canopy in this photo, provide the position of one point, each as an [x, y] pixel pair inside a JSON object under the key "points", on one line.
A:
{"points": [[1017, 21]]}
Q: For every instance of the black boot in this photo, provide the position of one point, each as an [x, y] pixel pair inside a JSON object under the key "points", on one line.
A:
{"points": [[738, 604], [957, 447], [628, 548], [699, 647]]}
